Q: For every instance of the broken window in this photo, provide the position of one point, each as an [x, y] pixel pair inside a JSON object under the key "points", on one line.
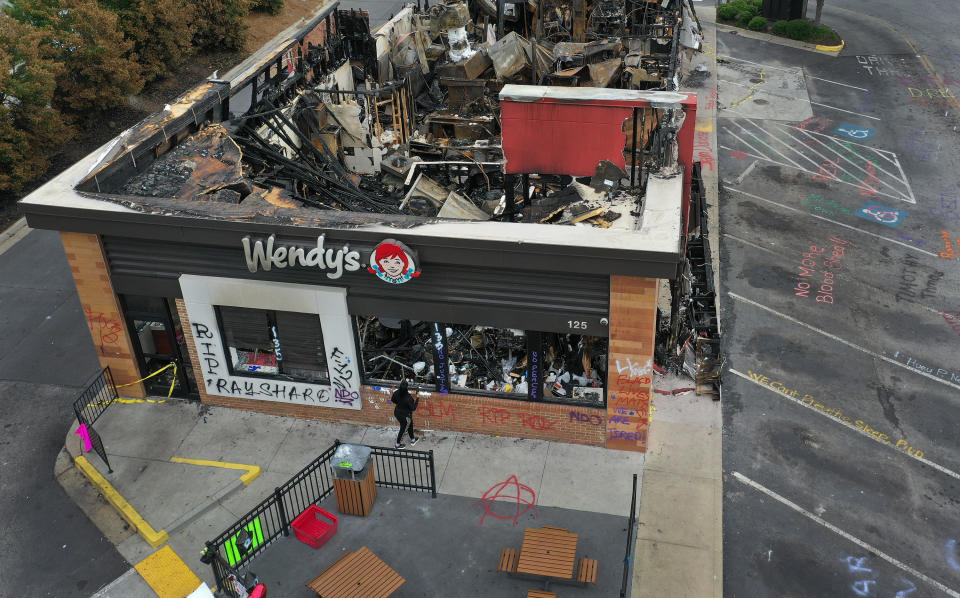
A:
{"points": [[272, 343], [485, 358], [392, 349], [575, 367]]}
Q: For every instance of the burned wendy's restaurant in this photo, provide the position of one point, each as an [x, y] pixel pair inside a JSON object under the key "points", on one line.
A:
{"points": [[502, 212]]}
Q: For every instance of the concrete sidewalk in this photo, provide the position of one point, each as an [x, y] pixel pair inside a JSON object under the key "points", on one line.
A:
{"points": [[189, 504], [679, 550]]}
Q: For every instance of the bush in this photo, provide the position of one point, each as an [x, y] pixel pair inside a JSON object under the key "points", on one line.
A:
{"points": [[757, 24], [800, 29], [741, 11], [220, 24], [727, 12], [273, 7], [162, 33], [780, 27]]}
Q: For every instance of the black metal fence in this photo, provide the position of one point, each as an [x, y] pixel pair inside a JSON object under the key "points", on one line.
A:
{"points": [[631, 526], [98, 394], [271, 518]]}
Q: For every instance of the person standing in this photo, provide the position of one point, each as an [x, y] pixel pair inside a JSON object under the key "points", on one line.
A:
{"points": [[405, 406]]}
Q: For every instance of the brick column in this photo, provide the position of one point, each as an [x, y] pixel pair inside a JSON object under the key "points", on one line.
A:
{"points": [[108, 329], [633, 317]]}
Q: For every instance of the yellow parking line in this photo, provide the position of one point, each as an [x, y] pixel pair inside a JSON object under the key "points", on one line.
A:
{"points": [[167, 574], [252, 470]]}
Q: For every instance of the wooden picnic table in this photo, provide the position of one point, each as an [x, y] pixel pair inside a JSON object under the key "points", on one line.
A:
{"points": [[359, 574], [549, 552]]}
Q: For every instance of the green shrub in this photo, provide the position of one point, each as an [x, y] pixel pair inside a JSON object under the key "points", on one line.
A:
{"points": [[757, 24], [273, 7], [744, 21], [727, 12], [780, 27], [800, 29]]}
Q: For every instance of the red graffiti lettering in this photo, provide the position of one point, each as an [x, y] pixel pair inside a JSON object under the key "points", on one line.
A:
{"points": [[436, 409], [536, 422], [494, 415], [104, 330], [628, 380]]}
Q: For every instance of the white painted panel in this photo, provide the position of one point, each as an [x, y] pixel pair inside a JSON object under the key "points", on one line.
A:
{"points": [[202, 293]]}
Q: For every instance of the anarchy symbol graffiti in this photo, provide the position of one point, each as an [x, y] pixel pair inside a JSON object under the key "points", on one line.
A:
{"points": [[507, 491]]}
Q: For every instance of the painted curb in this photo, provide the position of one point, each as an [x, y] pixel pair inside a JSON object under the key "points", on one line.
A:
{"points": [[832, 48], [253, 471], [150, 535]]}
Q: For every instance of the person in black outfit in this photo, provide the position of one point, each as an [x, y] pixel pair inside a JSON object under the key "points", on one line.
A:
{"points": [[405, 406]]}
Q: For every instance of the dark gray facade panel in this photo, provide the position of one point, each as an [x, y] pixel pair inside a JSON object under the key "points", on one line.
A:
{"points": [[549, 302], [468, 252]]}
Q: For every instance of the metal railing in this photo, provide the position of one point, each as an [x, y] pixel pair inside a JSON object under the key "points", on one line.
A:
{"points": [[631, 526], [98, 394], [271, 518]]}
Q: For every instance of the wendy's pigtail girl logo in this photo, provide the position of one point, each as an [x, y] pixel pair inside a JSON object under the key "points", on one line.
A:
{"points": [[393, 262]]}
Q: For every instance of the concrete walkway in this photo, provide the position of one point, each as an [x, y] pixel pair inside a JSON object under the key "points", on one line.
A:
{"points": [[679, 549], [194, 503]]}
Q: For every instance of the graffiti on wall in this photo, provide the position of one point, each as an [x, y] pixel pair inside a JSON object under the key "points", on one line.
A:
{"points": [[210, 355], [104, 330]]}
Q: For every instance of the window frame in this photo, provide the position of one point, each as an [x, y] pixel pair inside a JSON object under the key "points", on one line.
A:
{"points": [[272, 320]]}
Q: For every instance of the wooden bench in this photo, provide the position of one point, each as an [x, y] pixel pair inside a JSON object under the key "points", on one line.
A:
{"points": [[587, 570], [508, 560], [541, 594], [554, 528]]}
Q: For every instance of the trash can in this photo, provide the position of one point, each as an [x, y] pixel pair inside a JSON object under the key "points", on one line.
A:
{"points": [[354, 481]]}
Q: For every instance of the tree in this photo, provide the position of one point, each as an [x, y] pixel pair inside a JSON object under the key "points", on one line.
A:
{"points": [[100, 68], [220, 24], [162, 32], [31, 130], [816, 21]]}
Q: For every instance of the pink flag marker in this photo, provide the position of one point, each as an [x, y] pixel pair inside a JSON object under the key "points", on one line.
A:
{"points": [[85, 436]]}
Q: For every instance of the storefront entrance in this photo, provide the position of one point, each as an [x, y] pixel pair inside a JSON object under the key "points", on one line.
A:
{"points": [[159, 344]]}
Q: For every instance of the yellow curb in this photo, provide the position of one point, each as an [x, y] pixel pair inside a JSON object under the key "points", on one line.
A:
{"points": [[167, 574], [152, 537], [253, 471], [832, 48]]}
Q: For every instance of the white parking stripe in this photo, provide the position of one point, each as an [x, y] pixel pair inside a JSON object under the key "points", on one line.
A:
{"points": [[849, 537], [850, 426], [842, 340], [847, 111], [817, 216], [837, 83]]}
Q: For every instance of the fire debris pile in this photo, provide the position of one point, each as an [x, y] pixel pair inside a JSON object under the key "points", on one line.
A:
{"points": [[405, 119], [689, 341], [483, 358]]}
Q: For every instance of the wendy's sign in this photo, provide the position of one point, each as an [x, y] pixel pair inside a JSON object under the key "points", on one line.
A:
{"points": [[391, 260]]}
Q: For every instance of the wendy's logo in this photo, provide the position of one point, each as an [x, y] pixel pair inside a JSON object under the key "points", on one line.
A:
{"points": [[393, 262]]}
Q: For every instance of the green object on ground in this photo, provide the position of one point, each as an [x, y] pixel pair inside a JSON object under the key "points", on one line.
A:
{"points": [[757, 24], [345, 465]]}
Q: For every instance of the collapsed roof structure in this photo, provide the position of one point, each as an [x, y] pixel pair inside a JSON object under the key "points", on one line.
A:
{"points": [[405, 120]]}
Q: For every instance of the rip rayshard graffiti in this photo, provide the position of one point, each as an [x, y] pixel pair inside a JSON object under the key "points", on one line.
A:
{"points": [[218, 380], [202, 293]]}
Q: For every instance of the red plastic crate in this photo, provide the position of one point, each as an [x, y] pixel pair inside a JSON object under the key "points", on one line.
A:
{"points": [[314, 526]]}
